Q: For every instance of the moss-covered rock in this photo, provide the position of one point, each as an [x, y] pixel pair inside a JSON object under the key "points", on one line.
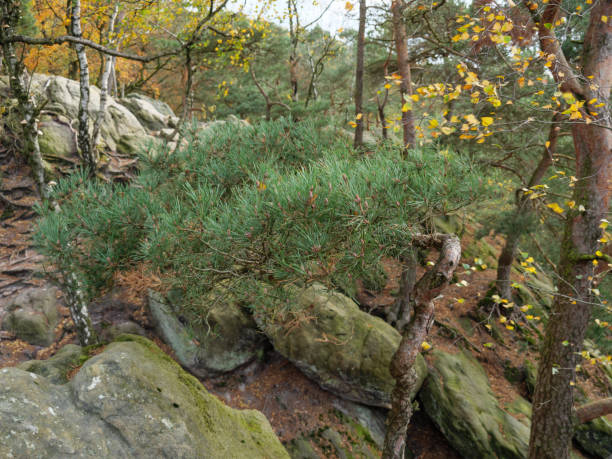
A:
{"points": [[595, 438], [58, 138], [129, 401], [458, 398], [344, 349], [231, 338], [56, 368], [32, 316]]}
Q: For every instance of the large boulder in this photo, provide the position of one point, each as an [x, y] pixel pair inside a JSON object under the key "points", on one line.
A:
{"points": [[230, 339], [458, 398], [63, 97], [342, 348], [129, 401], [153, 114], [32, 316]]}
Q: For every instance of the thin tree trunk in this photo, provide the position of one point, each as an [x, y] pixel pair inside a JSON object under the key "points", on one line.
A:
{"points": [[79, 310], [73, 66], [26, 108], [429, 286], [401, 47], [523, 207], [104, 79], [294, 39], [552, 423], [358, 139], [83, 138]]}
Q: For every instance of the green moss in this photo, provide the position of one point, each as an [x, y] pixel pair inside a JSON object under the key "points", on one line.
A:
{"points": [[150, 345]]}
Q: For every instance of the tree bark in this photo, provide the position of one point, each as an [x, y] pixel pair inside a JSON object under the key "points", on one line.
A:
{"points": [[358, 139], [79, 310], [552, 424], [104, 80], [83, 138], [428, 287], [10, 12], [594, 410], [401, 47], [523, 206], [293, 57]]}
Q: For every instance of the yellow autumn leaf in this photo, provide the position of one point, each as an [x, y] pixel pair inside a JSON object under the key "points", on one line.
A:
{"points": [[359, 116], [486, 121], [555, 207], [433, 123], [353, 124], [387, 86], [471, 119], [425, 346], [415, 97], [604, 19], [348, 6]]}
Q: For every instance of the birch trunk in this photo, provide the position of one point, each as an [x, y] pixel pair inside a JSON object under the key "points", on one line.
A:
{"points": [[83, 138], [27, 109], [104, 80]]}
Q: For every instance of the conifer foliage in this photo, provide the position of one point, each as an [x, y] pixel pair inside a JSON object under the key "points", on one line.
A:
{"points": [[276, 202]]}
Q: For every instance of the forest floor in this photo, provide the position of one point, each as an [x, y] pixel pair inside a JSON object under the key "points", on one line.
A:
{"points": [[294, 405]]}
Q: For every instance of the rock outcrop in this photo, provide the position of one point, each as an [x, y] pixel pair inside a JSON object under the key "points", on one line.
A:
{"points": [[153, 115], [343, 349], [32, 316], [128, 124], [458, 398], [230, 340], [129, 401]]}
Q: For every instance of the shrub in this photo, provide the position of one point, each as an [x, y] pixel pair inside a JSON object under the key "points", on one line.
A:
{"points": [[277, 202]]}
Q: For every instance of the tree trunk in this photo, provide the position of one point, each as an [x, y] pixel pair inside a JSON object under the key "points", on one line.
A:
{"points": [[403, 64], [293, 57], [79, 310], [83, 138], [358, 139], [552, 424], [10, 14], [505, 261], [429, 286], [104, 80], [73, 65], [523, 206]]}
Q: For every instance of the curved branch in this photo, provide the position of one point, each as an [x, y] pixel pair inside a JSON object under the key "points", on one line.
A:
{"points": [[428, 287], [594, 410], [62, 39]]}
